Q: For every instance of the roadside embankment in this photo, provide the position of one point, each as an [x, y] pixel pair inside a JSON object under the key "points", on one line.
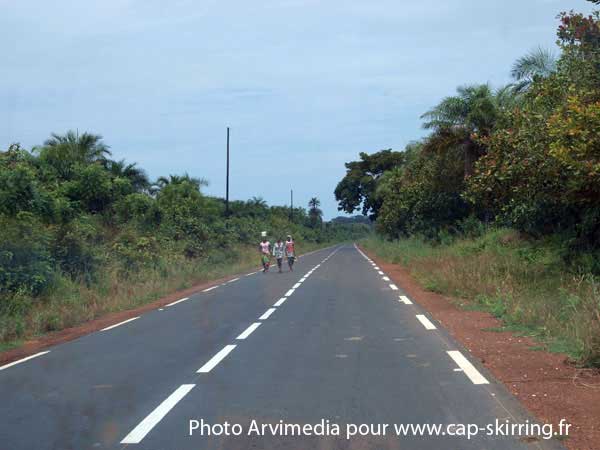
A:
{"points": [[509, 312]]}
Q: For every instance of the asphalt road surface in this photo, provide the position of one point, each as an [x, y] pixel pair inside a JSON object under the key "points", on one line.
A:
{"points": [[333, 343]]}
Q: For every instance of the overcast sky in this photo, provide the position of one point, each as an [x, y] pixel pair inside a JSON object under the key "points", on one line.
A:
{"points": [[305, 85]]}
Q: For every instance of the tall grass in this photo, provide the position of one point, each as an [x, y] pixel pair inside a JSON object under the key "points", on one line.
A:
{"points": [[73, 302], [524, 283]]}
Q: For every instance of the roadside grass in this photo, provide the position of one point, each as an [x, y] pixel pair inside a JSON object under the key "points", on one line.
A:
{"points": [[73, 302], [523, 283]]}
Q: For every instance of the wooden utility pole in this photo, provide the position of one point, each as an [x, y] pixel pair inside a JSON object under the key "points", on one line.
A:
{"points": [[227, 179]]}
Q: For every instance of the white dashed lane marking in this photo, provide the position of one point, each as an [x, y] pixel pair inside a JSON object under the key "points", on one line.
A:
{"points": [[120, 323], [14, 363], [280, 301], [425, 322], [210, 365], [248, 331], [404, 299], [267, 313], [468, 368], [177, 301], [146, 425]]}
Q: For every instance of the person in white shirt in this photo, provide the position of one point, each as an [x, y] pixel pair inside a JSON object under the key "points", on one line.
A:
{"points": [[278, 252], [264, 247]]}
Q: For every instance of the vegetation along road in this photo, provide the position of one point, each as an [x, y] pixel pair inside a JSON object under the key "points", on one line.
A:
{"points": [[333, 341]]}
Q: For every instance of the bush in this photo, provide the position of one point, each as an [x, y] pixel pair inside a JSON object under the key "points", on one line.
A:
{"points": [[26, 265]]}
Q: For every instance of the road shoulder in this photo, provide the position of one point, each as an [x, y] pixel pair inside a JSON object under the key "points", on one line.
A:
{"points": [[548, 387]]}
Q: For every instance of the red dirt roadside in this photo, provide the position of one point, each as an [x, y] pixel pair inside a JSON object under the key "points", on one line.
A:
{"points": [[40, 343], [68, 334], [545, 383]]}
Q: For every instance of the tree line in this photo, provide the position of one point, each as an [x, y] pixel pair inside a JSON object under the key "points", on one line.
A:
{"points": [[68, 210], [525, 155]]}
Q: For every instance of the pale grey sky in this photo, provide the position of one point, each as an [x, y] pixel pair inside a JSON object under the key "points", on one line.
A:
{"points": [[304, 85]]}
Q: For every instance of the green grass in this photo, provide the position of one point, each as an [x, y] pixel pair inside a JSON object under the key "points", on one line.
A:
{"points": [[523, 283], [5, 346]]}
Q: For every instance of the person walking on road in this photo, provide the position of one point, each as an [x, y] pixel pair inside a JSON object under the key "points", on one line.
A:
{"points": [[278, 252], [265, 252], [290, 252]]}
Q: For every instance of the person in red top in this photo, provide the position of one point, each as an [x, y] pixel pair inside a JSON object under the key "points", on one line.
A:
{"points": [[290, 252]]}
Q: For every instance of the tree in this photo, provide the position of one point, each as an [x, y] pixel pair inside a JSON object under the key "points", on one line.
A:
{"points": [[315, 215], [538, 63], [424, 196], [358, 187], [61, 155], [541, 173], [85, 148], [137, 176], [162, 182], [460, 120]]}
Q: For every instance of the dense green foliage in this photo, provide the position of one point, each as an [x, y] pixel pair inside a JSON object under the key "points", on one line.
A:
{"points": [[523, 160], [526, 156], [70, 215], [359, 186]]}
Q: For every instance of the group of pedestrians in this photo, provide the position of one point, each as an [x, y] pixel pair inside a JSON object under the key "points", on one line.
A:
{"points": [[279, 250]]}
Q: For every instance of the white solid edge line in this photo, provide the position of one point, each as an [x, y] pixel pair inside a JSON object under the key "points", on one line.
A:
{"points": [[120, 323], [296, 286], [210, 288], [280, 301], [467, 367], [212, 362], [303, 279], [385, 278], [14, 363], [393, 287], [404, 299], [267, 313], [235, 279], [146, 425], [178, 301], [426, 322], [248, 331], [290, 292]]}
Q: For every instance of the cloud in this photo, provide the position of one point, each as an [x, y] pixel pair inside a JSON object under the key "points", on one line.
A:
{"points": [[304, 84]]}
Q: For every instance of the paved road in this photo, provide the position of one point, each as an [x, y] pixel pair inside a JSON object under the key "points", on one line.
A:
{"points": [[334, 342]]}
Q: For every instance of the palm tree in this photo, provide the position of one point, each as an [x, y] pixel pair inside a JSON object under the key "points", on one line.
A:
{"points": [[314, 203], [84, 148], [137, 176], [458, 121], [538, 63], [161, 182], [314, 212], [258, 202]]}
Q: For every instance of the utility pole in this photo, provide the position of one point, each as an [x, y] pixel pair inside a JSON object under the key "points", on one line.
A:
{"points": [[227, 179], [291, 205]]}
